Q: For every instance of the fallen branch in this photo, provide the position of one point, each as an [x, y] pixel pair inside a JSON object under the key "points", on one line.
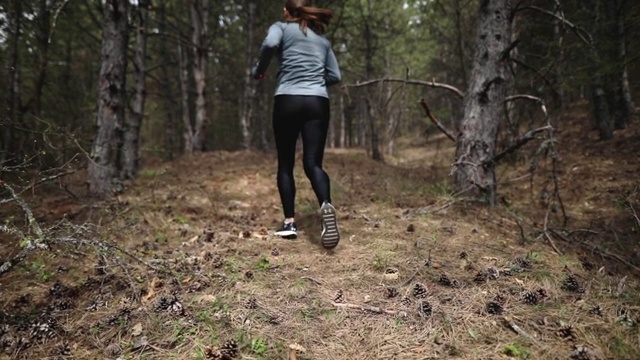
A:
{"points": [[369, 308], [431, 84], [309, 278], [635, 214], [546, 232], [518, 330], [595, 249], [435, 120]]}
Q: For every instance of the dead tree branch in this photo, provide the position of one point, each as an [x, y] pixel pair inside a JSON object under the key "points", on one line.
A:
{"points": [[595, 249], [431, 84], [429, 114], [369, 308], [518, 143], [580, 32]]}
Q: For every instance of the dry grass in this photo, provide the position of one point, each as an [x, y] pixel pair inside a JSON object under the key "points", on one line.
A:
{"points": [[209, 218]]}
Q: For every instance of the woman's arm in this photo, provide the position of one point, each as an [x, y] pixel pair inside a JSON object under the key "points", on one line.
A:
{"points": [[267, 50], [332, 70]]}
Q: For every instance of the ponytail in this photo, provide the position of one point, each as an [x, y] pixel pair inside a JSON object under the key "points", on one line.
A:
{"points": [[316, 19]]}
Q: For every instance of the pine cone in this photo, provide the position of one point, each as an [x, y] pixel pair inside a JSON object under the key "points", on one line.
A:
{"points": [[522, 263], [500, 299], [424, 308], [339, 296], [493, 273], [419, 291], [391, 292], [229, 349], [480, 278], [596, 310], [463, 255], [275, 252], [531, 298], [566, 332], [506, 272], [251, 303], [571, 284], [405, 301], [583, 353], [542, 294], [444, 280], [494, 308]]}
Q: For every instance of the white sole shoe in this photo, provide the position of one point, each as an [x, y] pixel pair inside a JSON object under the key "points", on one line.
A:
{"points": [[330, 235]]}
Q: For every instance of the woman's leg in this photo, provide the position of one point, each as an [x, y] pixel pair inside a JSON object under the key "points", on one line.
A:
{"points": [[286, 128], [314, 137]]}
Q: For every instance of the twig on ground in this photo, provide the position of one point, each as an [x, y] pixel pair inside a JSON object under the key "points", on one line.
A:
{"points": [[595, 249], [427, 263], [518, 330], [546, 232], [368, 308], [635, 214], [621, 286], [429, 114], [309, 278]]}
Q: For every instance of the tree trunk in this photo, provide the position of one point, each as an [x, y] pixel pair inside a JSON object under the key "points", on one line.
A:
{"points": [[475, 147], [598, 91], [168, 103], [131, 147], [13, 91], [44, 28], [111, 98], [249, 90], [199, 20], [184, 90], [626, 106]]}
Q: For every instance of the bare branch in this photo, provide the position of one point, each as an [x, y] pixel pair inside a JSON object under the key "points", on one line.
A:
{"points": [[518, 143], [595, 249], [431, 84], [580, 32], [436, 121], [368, 308]]}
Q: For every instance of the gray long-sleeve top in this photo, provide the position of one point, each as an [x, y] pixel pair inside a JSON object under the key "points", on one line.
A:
{"points": [[307, 62]]}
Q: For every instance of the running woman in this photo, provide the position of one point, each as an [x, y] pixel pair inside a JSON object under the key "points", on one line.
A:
{"points": [[307, 66]]}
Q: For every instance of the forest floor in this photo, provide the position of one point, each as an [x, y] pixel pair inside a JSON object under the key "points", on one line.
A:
{"points": [[420, 273]]}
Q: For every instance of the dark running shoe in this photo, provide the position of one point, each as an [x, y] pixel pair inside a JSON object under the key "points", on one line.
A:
{"points": [[288, 230], [330, 235]]}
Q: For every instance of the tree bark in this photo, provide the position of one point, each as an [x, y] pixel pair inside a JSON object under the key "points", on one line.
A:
{"points": [[13, 91], [474, 171], [249, 90], [626, 107], [131, 147], [111, 98], [184, 90], [169, 102], [199, 11], [598, 92]]}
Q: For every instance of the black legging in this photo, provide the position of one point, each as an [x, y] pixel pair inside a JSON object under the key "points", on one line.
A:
{"points": [[309, 116]]}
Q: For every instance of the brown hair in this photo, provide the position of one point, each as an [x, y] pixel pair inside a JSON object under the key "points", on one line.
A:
{"points": [[306, 15]]}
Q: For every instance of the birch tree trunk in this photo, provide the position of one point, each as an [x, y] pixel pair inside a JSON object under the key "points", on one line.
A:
{"points": [[474, 170], [111, 98], [249, 91], [131, 147], [199, 11]]}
